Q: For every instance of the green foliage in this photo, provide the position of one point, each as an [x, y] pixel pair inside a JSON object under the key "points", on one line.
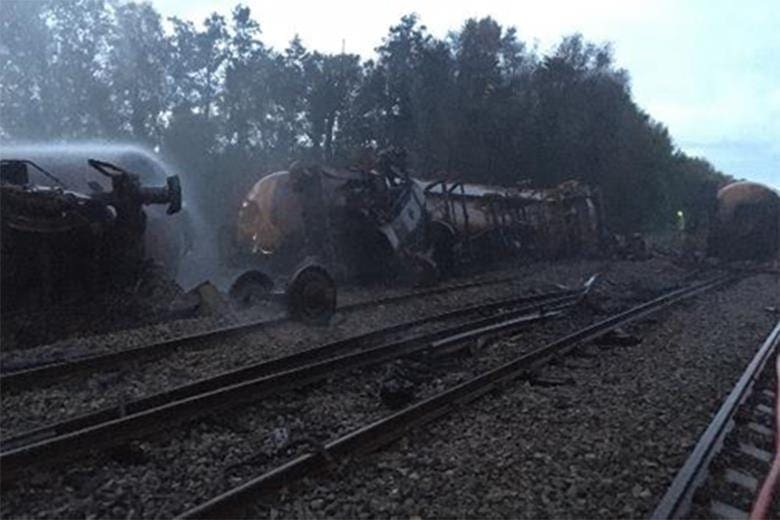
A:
{"points": [[478, 105]]}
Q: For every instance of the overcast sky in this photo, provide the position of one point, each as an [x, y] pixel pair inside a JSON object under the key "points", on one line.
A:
{"points": [[709, 70]]}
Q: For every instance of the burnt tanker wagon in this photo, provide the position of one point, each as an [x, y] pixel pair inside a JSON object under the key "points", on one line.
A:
{"points": [[363, 224], [73, 227]]}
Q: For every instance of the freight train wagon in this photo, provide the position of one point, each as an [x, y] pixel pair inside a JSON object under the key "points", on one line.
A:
{"points": [[359, 224], [747, 223], [73, 225]]}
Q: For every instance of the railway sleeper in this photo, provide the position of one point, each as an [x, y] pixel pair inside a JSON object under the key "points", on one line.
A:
{"points": [[728, 483], [104, 428]]}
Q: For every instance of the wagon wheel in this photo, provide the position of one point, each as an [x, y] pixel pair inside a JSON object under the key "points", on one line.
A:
{"points": [[311, 296], [251, 288]]}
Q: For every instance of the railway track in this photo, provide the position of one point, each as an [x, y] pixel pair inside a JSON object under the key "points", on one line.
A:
{"points": [[48, 371], [390, 428], [134, 419], [722, 477]]}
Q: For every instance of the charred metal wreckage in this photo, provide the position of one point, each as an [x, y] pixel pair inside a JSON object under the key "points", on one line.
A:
{"points": [[67, 230], [57, 241], [380, 222], [298, 231]]}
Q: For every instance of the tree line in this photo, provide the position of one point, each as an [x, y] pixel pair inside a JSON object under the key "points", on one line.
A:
{"points": [[479, 105]]}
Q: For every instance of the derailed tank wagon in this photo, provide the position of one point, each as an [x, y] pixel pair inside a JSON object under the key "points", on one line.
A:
{"points": [[485, 222], [65, 237], [746, 225], [73, 226], [325, 224], [368, 223]]}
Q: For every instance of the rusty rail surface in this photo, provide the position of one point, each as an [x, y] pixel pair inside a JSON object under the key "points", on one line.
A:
{"points": [[49, 371], [388, 429], [677, 500], [114, 425]]}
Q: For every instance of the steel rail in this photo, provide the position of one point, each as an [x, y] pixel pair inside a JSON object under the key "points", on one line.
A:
{"points": [[677, 500], [390, 428], [283, 364], [113, 426], [427, 292], [44, 373], [770, 487]]}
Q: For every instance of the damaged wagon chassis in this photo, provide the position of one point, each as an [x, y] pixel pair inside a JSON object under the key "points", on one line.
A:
{"points": [[59, 244]]}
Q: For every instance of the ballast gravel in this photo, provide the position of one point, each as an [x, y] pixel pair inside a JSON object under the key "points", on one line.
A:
{"points": [[209, 456], [472, 464], [606, 445], [36, 407]]}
